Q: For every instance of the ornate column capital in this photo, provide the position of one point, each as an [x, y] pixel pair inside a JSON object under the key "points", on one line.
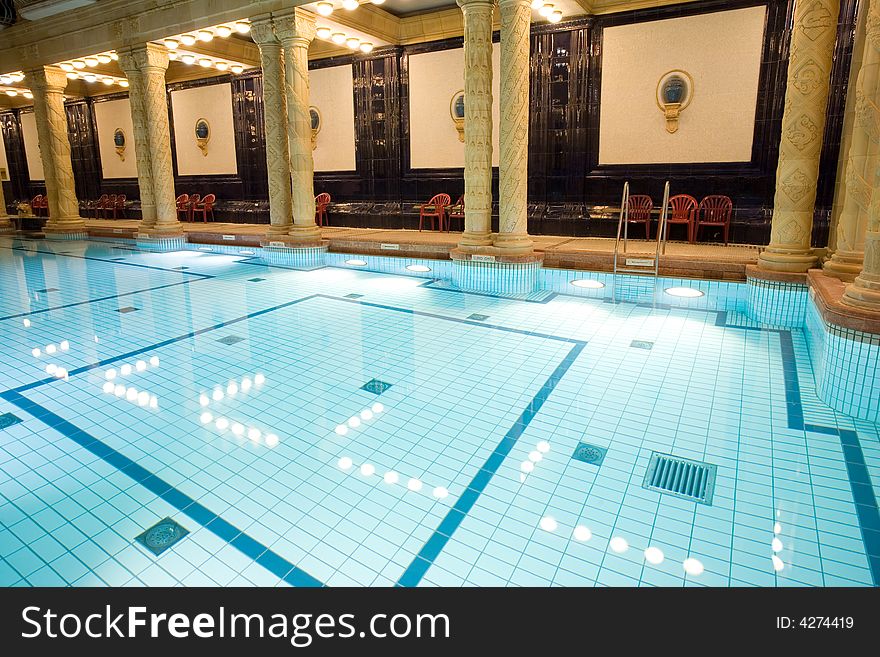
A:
{"points": [[47, 79], [505, 4], [475, 3], [295, 28], [263, 31], [141, 58]]}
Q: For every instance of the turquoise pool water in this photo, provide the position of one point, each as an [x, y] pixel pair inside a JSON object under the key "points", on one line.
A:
{"points": [[348, 427]]}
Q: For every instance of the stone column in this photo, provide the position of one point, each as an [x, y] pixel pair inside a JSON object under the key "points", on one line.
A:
{"points": [[803, 124], [275, 121], [140, 137], [152, 61], [6, 226], [47, 85], [512, 237], [477, 123], [296, 30]]}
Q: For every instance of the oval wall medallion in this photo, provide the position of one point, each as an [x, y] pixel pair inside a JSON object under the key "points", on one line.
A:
{"points": [[203, 135], [675, 90], [315, 120], [456, 111], [119, 143]]}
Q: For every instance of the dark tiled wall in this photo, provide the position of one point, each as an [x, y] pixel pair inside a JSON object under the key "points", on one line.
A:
{"points": [[565, 180]]}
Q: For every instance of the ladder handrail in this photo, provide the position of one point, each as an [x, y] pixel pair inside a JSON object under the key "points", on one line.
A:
{"points": [[622, 223], [662, 227]]}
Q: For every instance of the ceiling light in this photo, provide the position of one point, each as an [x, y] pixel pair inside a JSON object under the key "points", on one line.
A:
{"points": [[78, 63], [351, 5], [221, 66], [5, 79], [66, 66], [205, 62], [11, 92], [224, 31], [172, 55], [28, 94], [555, 16], [324, 8], [123, 83], [537, 4], [545, 10], [205, 35], [72, 76], [90, 77], [113, 55], [107, 81], [91, 61], [236, 68], [104, 59], [353, 42], [171, 44], [377, 2], [323, 32], [188, 59], [687, 292], [18, 77], [366, 46], [242, 28], [338, 37], [187, 39], [590, 283]]}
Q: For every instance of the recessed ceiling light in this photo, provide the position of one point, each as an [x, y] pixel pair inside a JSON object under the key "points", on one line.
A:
{"points": [[113, 55], [555, 16], [324, 8], [418, 268], [188, 59], [187, 39], [11, 92], [91, 61], [107, 81], [338, 37], [545, 10], [172, 55], [224, 31], [205, 62], [356, 263], [377, 2], [221, 66], [29, 95], [66, 66], [89, 77], [205, 35], [236, 68], [171, 44], [104, 59], [78, 63], [590, 283], [683, 292], [351, 5], [323, 32], [353, 42], [72, 76], [366, 46], [242, 28]]}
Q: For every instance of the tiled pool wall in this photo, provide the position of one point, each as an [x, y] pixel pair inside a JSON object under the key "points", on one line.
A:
{"points": [[496, 278], [845, 362]]}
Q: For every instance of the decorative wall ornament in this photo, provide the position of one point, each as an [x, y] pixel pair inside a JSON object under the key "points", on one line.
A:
{"points": [[316, 122], [456, 111], [203, 135], [119, 143], [674, 93]]}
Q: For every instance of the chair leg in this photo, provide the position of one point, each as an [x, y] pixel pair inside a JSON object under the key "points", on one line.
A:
{"points": [[726, 233], [648, 230]]}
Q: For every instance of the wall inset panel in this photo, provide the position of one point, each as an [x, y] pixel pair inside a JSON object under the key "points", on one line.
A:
{"points": [[332, 92], [214, 104], [433, 79], [109, 116], [32, 146], [722, 53]]}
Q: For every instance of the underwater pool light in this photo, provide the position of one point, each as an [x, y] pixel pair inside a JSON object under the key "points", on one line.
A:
{"points": [[687, 292]]}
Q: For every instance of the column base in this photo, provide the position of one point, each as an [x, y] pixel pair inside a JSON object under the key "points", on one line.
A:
{"points": [[287, 254], [495, 274], [513, 244], [863, 293], [845, 265], [7, 227], [66, 230], [304, 236], [278, 232], [161, 242], [776, 299], [472, 241], [785, 260]]}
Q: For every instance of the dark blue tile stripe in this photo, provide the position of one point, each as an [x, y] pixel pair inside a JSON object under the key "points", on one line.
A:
{"points": [[793, 404], [864, 498], [181, 501], [432, 285], [434, 545], [109, 262]]}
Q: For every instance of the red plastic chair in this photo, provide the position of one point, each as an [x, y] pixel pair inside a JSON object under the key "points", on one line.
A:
{"points": [[110, 207], [434, 209], [193, 201], [98, 205], [322, 201], [119, 206], [183, 207], [639, 211], [714, 211], [682, 210], [456, 212], [37, 205], [205, 206]]}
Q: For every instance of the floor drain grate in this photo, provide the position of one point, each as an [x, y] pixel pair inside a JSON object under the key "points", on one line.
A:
{"points": [[162, 536], [641, 344], [375, 386], [691, 480], [477, 317], [591, 454], [8, 419], [180, 268], [255, 280], [353, 296], [231, 339], [127, 309], [45, 290]]}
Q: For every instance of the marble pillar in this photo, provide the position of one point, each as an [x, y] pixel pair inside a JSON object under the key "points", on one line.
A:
{"points": [[275, 122], [48, 84], [296, 29], [143, 159], [813, 36], [512, 237], [477, 123], [152, 61]]}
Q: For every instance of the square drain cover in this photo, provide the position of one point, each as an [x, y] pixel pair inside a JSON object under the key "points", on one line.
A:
{"points": [[180, 268], [477, 317], [375, 386], [691, 480], [255, 280], [592, 454], [8, 419], [162, 536], [231, 339], [353, 296], [127, 309], [48, 289], [641, 344]]}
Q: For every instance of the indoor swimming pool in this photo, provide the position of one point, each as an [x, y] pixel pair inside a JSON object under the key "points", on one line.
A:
{"points": [[202, 418]]}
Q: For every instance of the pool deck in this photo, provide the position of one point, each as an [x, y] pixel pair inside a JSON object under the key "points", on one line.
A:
{"points": [[707, 261]]}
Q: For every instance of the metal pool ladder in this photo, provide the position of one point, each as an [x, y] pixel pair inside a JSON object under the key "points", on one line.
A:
{"points": [[649, 266]]}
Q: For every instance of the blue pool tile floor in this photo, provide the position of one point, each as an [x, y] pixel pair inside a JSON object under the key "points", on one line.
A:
{"points": [[241, 401]]}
